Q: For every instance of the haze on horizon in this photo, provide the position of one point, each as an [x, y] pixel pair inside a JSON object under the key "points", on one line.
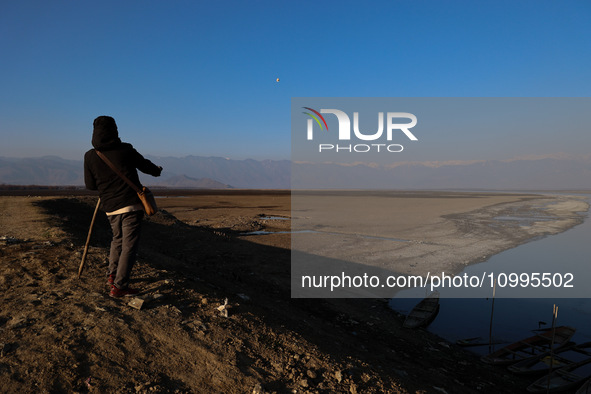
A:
{"points": [[200, 78]]}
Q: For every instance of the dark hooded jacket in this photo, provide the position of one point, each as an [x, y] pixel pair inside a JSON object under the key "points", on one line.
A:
{"points": [[114, 192]]}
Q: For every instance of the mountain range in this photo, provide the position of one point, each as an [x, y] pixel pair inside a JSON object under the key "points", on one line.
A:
{"points": [[551, 172], [558, 172], [186, 172]]}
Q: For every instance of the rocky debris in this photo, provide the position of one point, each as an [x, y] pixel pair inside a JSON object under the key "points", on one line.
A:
{"points": [[222, 235], [224, 308], [6, 240], [174, 309], [258, 389], [148, 387], [45, 244], [136, 303], [196, 325], [140, 302], [17, 322]]}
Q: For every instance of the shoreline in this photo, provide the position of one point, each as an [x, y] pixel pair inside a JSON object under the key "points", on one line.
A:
{"points": [[424, 232], [440, 241], [529, 221]]}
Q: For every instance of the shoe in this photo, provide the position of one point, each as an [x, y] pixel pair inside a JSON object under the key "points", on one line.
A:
{"points": [[111, 280], [115, 292]]}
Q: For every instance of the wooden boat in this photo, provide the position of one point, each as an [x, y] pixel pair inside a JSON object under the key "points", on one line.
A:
{"points": [[567, 355], [424, 312], [479, 341], [530, 347], [586, 388], [565, 378]]}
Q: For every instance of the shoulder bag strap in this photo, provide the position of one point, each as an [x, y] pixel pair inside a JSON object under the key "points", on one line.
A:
{"points": [[110, 164]]}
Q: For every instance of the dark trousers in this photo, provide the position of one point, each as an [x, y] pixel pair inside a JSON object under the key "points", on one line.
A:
{"points": [[126, 236]]}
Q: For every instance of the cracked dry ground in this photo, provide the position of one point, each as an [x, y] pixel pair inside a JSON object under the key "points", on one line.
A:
{"points": [[63, 334]]}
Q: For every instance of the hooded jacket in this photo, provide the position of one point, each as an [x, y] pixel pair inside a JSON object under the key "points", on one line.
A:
{"points": [[114, 192]]}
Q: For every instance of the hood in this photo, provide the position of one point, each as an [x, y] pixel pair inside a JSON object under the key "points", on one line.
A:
{"points": [[105, 134]]}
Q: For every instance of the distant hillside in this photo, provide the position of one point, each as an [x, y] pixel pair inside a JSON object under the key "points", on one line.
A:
{"points": [[265, 174], [46, 171], [542, 172], [518, 174], [186, 172]]}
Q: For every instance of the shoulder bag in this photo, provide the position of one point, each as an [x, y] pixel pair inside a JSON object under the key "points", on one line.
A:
{"points": [[145, 195]]}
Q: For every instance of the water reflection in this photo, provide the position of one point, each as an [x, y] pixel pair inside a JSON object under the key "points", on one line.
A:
{"points": [[514, 318]]}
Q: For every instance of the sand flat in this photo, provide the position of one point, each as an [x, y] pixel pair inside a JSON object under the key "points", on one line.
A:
{"points": [[420, 232]]}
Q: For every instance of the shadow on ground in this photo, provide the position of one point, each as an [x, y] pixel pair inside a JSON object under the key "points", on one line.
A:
{"points": [[279, 343]]}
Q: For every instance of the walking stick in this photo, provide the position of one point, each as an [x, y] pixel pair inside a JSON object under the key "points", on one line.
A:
{"points": [[88, 238]]}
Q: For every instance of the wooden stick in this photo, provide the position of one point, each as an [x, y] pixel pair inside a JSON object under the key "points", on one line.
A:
{"points": [[554, 317], [492, 312], [88, 239]]}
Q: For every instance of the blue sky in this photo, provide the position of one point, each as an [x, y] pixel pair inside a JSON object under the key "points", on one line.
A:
{"points": [[197, 77]]}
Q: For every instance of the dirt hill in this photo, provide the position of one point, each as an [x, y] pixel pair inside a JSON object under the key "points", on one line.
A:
{"points": [[63, 334]]}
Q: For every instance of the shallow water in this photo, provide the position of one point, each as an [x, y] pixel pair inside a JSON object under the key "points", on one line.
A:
{"points": [[263, 232], [515, 318]]}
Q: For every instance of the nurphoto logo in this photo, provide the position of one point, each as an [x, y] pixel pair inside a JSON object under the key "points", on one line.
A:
{"points": [[393, 128]]}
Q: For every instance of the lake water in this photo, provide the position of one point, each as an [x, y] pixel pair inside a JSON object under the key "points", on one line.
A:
{"points": [[515, 318]]}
